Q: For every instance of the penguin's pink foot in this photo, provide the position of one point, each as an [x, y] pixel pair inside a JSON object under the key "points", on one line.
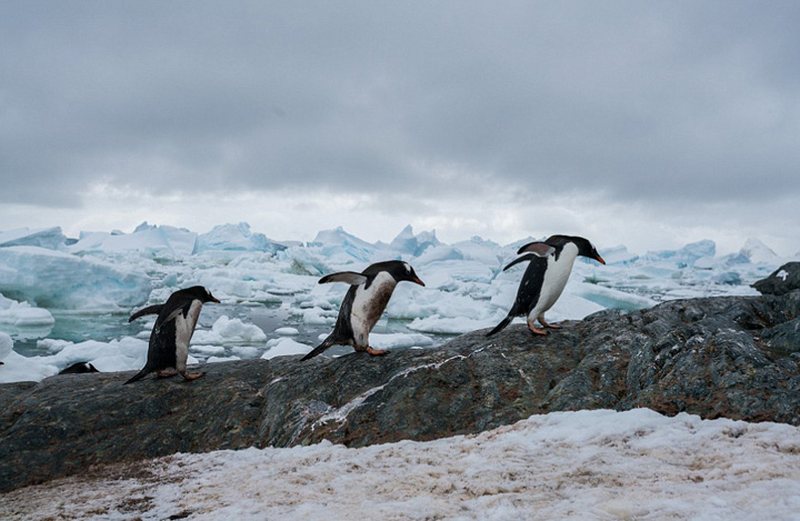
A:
{"points": [[537, 331], [376, 352], [548, 325], [191, 376], [166, 373]]}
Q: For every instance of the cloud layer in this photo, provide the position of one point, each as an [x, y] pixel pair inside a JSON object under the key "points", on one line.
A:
{"points": [[637, 103]]}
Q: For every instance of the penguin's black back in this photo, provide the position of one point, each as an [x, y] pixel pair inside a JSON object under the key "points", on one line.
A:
{"points": [[343, 331], [530, 287]]}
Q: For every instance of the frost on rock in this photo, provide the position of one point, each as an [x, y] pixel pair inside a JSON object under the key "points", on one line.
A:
{"points": [[55, 279], [594, 465]]}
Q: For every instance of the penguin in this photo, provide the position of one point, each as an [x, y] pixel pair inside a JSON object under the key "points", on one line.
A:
{"points": [[79, 368], [364, 303], [543, 281], [169, 340]]}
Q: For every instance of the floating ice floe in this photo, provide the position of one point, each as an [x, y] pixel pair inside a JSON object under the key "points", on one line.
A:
{"points": [[54, 279], [23, 315], [284, 347], [226, 331]]}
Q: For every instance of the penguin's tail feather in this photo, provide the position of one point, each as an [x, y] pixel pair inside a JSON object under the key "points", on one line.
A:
{"points": [[138, 376], [502, 325], [149, 310], [320, 348]]}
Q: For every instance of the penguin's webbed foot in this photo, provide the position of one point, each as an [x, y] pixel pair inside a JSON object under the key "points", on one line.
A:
{"points": [[548, 325], [166, 373], [192, 376], [376, 352], [537, 331]]}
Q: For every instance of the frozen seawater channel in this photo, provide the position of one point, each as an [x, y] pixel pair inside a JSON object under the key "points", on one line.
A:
{"points": [[79, 327]]}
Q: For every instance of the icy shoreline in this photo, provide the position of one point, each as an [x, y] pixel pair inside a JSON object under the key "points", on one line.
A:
{"points": [[90, 285], [566, 465]]}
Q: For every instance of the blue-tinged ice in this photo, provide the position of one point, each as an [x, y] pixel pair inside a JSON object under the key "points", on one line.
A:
{"points": [[408, 243], [54, 279], [235, 237], [50, 238], [149, 241], [685, 256]]}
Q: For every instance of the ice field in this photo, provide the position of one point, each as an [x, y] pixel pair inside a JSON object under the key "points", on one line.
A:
{"points": [[66, 300]]}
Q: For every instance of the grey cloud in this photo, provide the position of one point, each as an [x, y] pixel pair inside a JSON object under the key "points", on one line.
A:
{"points": [[644, 101]]}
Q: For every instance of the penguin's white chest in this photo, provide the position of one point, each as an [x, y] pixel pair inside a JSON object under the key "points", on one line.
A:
{"points": [[184, 329], [368, 306], [555, 278]]}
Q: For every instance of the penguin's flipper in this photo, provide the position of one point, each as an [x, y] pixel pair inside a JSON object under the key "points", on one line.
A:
{"points": [[540, 249], [320, 348], [499, 327], [149, 310], [522, 258], [348, 277]]}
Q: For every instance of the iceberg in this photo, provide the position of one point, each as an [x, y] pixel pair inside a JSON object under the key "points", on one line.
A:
{"points": [[685, 256], [487, 252], [235, 237], [54, 279], [336, 243], [414, 245], [50, 238], [757, 252], [147, 240]]}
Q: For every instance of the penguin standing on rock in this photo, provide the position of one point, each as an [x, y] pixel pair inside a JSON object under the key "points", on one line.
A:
{"points": [[364, 303], [548, 271], [169, 341]]}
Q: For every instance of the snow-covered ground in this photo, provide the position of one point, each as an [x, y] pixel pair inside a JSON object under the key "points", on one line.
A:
{"points": [[75, 294], [586, 465]]}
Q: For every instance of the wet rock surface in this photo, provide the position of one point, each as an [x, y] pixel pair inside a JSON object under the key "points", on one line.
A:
{"points": [[737, 357]]}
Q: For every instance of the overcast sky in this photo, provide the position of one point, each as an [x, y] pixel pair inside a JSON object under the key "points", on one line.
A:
{"points": [[650, 124]]}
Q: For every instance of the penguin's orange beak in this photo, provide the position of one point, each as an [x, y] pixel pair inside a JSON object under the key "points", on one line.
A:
{"points": [[417, 280], [599, 259], [214, 299]]}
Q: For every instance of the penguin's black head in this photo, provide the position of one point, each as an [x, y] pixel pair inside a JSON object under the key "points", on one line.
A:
{"points": [[200, 293], [587, 249], [402, 271]]}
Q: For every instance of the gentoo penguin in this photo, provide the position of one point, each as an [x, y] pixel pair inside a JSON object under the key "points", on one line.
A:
{"points": [[79, 368], [550, 266], [364, 303], [169, 340]]}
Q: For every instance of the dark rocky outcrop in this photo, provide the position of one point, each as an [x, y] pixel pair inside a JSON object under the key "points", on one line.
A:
{"points": [[781, 281], [736, 357]]}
